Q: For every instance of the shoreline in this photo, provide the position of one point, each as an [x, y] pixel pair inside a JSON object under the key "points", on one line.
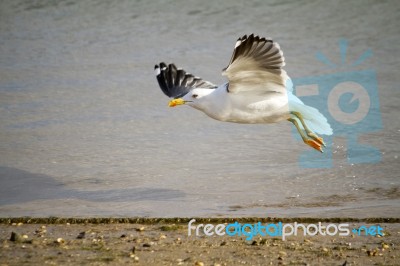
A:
{"points": [[185, 220]]}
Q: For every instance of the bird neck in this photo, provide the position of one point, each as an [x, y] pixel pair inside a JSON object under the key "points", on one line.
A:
{"points": [[213, 102]]}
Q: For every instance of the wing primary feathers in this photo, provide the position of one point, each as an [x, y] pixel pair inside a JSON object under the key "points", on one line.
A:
{"points": [[256, 60], [180, 75], [161, 78], [175, 82], [171, 75], [265, 52]]}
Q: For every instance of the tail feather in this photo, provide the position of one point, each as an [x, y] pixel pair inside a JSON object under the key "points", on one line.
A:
{"points": [[315, 121]]}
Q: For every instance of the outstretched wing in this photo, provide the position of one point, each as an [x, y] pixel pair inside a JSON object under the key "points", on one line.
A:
{"points": [[176, 82], [256, 64]]}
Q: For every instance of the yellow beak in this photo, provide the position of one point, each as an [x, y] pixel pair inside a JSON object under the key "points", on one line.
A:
{"points": [[176, 102]]}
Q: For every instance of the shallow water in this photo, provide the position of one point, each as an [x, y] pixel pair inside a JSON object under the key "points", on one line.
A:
{"points": [[85, 130]]}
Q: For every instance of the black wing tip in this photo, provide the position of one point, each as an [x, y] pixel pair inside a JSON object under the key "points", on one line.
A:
{"points": [[176, 82], [163, 68], [160, 65], [171, 79], [253, 37]]}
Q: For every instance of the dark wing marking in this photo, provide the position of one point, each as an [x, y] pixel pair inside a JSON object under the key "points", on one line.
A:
{"points": [[176, 82]]}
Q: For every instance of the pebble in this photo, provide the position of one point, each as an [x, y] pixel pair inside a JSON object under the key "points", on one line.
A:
{"points": [[147, 245], [163, 236], [325, 250], [60, 240], [81, 235], [282, 253], [141, 229], [15, 237], [199, 263]]}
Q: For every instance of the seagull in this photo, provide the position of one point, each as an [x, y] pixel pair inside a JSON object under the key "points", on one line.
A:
{"points": [[258, 91]]}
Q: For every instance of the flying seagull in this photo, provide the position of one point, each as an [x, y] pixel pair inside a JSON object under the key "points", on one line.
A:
{"points": [[258, 91]]}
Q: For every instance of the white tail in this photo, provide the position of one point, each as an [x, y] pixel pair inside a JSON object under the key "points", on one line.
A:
{"points": [[315, 121]]}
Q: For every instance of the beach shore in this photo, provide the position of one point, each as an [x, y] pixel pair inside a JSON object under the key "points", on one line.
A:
{"points": [[166, 242]]}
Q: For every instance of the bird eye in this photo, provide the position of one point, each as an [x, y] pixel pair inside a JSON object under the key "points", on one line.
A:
{"points": [[195, 96]]}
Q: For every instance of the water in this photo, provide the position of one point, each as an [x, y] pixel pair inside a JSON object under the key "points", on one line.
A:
{"points": [[85, 130]]}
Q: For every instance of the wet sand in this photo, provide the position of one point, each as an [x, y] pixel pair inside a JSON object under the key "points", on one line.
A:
{"points": [[104, 241]]}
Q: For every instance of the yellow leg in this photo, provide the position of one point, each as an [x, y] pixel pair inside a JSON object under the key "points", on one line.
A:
{"points": [[310, 142], [308, 131]]}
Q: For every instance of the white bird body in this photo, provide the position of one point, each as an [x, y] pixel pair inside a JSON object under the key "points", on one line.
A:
{"points": [[244, 107], [258, 92]]}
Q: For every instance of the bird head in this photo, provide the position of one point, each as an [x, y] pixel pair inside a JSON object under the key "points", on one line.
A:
{"points": [[193, 98]]}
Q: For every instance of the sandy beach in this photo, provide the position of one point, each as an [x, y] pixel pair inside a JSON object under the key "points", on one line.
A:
{"points": [[165, 242]]}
